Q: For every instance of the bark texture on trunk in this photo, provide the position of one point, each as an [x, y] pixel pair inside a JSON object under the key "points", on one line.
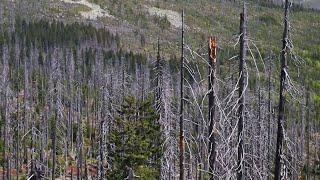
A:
{"points": [[181, 133], [242, 77], [212, 71], [282, 99]]}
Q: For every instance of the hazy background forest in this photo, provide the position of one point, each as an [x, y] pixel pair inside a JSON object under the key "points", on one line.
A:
{"points": [[172, 89]]}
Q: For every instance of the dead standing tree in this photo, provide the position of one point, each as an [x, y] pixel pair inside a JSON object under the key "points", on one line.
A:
{"points": [[241, 86], [283, 76], [159, 80], [79, 112], [6, 114], [270, 112], [181, 132], [212, 71], [307, 135], [163, 102], [54, 66]]}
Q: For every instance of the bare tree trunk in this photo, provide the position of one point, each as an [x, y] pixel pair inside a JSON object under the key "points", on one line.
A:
{"points": [[56, 77], [158, 80], [102, 149], [101, 106], [4, 141], [181, 134], [5, 81], [269, 118], [79, 138], [260, 131], [307, 135], [54, 137], [316, 140], [26, 106], [212, 71], [242, 76], [103, 131], [17, 119], [281, 115], [6, 136]]}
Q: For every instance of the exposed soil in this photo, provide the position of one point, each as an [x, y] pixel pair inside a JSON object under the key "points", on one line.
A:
{"points": [[95, 12]]}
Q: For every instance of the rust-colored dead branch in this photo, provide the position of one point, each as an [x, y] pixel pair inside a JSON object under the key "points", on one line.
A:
{"points": [[213, 48]]}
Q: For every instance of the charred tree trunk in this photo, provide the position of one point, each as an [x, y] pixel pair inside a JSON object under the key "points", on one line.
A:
{"points": [[101, 150], [212, 71], [102, 140], [158, 80], [26, 105], [242, 77], [54, 137], [6, 115], [281, 115], [181, 133], [4, 140], [269, 117], [6, 148], [307, 136], [18, 122], [79, 138]]}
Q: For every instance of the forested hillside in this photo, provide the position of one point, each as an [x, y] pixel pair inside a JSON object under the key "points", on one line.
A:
{"points": [[105, 89]]}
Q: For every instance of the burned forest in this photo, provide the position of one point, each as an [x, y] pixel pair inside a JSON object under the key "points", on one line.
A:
{"points": [[102, 89]]}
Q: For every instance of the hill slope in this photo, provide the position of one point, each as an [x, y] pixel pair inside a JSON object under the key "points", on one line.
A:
{"points": [[146, 20], [141, 23]]}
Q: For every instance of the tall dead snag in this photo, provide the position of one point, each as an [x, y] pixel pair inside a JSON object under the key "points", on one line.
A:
{"points": [[242, 74], [269, 114], [212, 70], [307, 136], [101, 108], [181, 133], [158, 80], [54, 120], [281, 118], [6, 115], [54, 140], [79, 135]]}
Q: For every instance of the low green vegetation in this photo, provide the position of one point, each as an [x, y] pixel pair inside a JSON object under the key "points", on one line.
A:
{"points": [[136, 139]]}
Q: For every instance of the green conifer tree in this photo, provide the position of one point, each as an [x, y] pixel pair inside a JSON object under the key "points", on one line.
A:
{"points": [[136, 139]]}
